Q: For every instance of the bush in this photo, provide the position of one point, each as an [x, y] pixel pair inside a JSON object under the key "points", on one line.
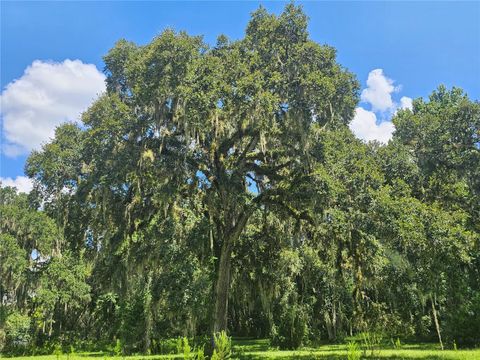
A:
{"points": [[353, 351], [167, 346], [462, 324], [292, 328], [118, 349], [223, 346], [17, 333], [57, 350]]}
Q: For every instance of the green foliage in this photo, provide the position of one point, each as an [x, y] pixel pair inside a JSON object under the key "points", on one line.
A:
{"points": [[3, 339], [187, 350], [17, 332], [57, 350], [292, 329], [166, 346], [371, 342], [179, 343], [13, 263], [215, 187], [353, 351], [118, 349], [222, 346], [183, 347], [200, 353]]}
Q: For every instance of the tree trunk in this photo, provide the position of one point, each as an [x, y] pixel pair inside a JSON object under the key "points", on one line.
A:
{"points": [[328, 325], [334, 321], [437, 324], [148, 315], [222, 287]]}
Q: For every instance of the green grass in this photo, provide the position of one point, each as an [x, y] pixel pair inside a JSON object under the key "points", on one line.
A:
{"points": [[260, 349]]}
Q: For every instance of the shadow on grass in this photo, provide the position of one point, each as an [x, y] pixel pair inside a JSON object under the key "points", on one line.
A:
{"points": [[306, 356], [135, 357], [94, 354], [250, 345]]}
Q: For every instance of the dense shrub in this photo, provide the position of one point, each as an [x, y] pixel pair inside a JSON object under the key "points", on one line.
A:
{"points": [[292, 329], [17, 333]]}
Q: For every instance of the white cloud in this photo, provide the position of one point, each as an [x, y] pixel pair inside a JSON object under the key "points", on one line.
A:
{"points": [[406, 103], [379, 91], [22, 183], [364, 126], [46, 95], [376, 124]]}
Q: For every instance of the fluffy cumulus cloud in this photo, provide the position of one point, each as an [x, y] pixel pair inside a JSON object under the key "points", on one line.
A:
{"points": [[46, 95], [406, 103], [379, 91], [22, 183], [364, 125], [375, 124]]}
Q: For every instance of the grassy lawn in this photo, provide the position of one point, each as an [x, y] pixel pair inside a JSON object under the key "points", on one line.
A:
{"points": [[260, 349]]}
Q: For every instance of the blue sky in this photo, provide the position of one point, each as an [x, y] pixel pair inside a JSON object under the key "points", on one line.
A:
{"points": [[417, 46]]}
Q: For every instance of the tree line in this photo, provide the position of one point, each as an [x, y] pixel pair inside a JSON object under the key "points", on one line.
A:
{"points": [[220, 188]]}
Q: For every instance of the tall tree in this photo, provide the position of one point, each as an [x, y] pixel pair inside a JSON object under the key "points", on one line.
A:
{"points": [[228, 125]]}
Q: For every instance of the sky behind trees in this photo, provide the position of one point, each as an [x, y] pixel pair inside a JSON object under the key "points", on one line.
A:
{"points": [[51, 55]]}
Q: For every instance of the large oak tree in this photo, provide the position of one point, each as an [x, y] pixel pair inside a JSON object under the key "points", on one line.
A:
{"points": [[229, 125]]}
